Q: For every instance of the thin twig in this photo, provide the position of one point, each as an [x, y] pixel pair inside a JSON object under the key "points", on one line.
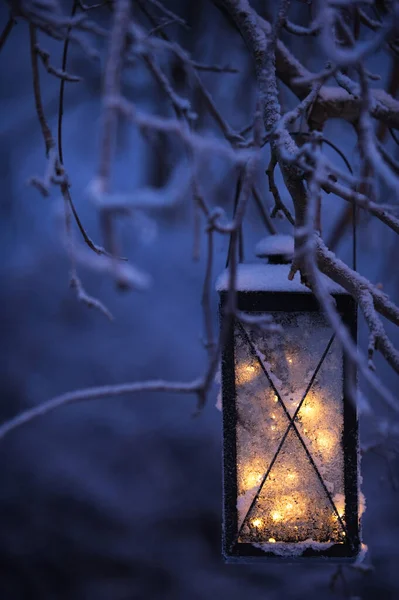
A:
{"points": [[112, 83], [97, 393], [47, 136], [75, 282], [206, 300], [6, 31], [168, 13], [61, 74], [263, 212], [278, 203]]}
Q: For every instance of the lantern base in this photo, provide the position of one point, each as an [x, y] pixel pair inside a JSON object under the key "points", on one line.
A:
{"points": [[293, 553]]}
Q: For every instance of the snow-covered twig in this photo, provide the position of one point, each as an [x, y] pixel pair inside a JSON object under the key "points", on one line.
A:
{"points": [[112, 83], [96, 393], [172, 126], [309, 254]]}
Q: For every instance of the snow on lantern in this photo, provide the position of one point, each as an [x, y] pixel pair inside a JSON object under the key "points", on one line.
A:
{"points": [[290, 431]]}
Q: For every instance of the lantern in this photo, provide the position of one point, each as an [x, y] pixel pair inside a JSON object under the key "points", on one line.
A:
{"points": [[290, 450]]}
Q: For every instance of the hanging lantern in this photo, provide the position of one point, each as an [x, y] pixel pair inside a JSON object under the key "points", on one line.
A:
{"points": [[290, 430]]}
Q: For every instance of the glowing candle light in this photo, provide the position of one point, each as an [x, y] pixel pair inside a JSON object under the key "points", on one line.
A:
{"points": [[339, 501], [311, 412], [247, 372], [325, 442], [257, 523], [252, 479], [276, 516], [308, 410]]}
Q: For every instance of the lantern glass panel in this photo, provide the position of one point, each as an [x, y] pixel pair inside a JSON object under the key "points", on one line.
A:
{"points": [[290, 431], [290, 459]]}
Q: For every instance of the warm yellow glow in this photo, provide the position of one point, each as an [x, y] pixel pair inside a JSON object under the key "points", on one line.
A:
{"points": [[288, 504], [277, 516], [325, 441], [257, 523], [339, 501], [311, 411], [246, 372], [252, 479], [288, 508]]}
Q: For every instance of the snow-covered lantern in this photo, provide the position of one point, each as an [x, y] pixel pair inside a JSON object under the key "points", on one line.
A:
{"points": [[290, 448]]}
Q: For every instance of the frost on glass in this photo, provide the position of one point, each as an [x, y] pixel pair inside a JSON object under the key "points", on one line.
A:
{"points": [[290, 463]]}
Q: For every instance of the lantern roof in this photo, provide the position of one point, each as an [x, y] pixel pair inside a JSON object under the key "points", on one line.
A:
{"points": [[258, 277], [276, 245]]}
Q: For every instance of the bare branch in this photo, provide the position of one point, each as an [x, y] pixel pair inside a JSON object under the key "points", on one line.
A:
{"points": [[180, 105], [75, 282], [189, 65], [47, 136], [112, 83], [310, 251], [279, 205], [263, 212], [97, 393], [168, 13], [314, 28], [161, 124], [61, 74], [213, 68], [206, 292], [6, 31], [90, 301]]}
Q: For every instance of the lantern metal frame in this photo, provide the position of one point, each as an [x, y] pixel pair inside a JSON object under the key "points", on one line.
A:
{"points": [[286, 302]]}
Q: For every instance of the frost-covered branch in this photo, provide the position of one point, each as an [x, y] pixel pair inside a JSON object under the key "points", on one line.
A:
{"points": [[96, 393], [311, 255], [112, 83], [342, 89]]}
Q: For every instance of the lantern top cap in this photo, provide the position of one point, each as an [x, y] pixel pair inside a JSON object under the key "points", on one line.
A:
{"points": [[276, 246], [259, 277]]}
